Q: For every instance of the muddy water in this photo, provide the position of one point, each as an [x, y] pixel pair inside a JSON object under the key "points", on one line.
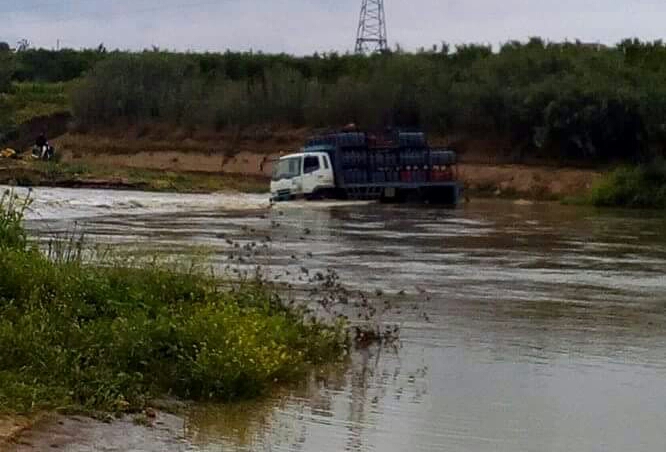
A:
{"points": [[525, 327]]}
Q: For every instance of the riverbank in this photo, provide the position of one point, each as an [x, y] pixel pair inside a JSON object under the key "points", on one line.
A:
{"points": [[29, 173], [11, 427], [104, 171], [155, 433], [85, 338], [541, 183], [244, 164]]}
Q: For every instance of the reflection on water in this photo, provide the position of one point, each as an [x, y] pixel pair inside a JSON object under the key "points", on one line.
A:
{"points": [[543, 327]]}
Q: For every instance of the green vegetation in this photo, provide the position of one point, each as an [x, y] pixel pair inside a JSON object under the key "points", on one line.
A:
{"points": [[563, 101], [6, 73], [31, 100], [632, 186], [34, 174], [7, 68], [569, 101], [23, 102], [32, 85], [109, 337], [49, 66]]}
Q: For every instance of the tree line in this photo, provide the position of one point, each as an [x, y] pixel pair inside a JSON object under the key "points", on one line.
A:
{"points": [[568, 100]]}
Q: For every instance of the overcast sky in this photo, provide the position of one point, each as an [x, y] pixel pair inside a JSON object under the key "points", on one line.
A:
{"points": [[304, 26]]}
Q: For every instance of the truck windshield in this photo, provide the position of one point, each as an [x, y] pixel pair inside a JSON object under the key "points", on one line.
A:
{"points": [[287, 168]]}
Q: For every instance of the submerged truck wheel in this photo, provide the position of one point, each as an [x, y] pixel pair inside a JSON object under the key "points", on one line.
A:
{"points": [[447, 196], [322, 193]]}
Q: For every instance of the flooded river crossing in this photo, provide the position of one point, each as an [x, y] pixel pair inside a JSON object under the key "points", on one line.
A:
{"points": [[524, 327]]}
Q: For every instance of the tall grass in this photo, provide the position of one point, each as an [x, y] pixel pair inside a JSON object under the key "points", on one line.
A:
{"points": [[632, 186], [26, 101], [111, 336], [12, 210]]}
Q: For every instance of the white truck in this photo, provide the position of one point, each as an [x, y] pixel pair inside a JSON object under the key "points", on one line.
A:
{"points": [[355, 165]]}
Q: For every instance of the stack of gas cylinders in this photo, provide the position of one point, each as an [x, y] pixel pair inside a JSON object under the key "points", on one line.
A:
{"points": [[405, 157], [441, 166], [407, 165], [355, 165]]}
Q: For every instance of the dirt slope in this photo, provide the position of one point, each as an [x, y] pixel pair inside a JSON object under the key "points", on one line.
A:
{"points": [[251, 153]]}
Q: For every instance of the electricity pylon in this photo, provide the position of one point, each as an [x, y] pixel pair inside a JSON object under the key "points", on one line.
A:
{"points": [[371, 35]]}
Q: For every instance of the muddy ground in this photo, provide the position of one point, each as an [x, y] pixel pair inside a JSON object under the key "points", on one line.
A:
{"points": [[82, 434]]}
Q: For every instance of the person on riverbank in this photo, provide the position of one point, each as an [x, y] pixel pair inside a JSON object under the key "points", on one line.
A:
{"points": [[41, 140], [42, 145]]}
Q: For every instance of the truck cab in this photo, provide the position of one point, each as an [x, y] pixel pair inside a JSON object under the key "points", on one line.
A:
{"points": [[302, 175]]}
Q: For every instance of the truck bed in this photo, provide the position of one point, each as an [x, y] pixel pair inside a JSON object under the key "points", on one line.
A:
{"points": [[392, 168], [447, 193]]}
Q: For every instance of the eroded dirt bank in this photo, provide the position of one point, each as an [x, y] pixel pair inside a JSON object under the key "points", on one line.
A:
{"points": [[253, 157], [11, 428]]}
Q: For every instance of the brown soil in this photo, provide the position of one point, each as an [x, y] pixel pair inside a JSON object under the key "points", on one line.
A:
{"points": [[485, 167], [178, 161], [226, 152], [534, 182], [12, 427]]}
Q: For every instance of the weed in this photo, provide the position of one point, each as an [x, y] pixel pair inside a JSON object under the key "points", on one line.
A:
{"points": [[12, 209]]}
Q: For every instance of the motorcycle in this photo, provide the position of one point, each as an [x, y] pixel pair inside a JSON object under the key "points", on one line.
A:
{"points": [[46, 152]]}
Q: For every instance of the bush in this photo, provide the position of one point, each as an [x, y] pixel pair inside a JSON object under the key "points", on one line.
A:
{"points": [[110, 337], [641, 186]]}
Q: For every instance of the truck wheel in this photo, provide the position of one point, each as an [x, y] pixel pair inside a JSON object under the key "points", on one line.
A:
{"points": [[316, 195], [312, 196]]}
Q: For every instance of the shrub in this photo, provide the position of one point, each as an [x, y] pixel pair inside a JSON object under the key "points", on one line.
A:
{"points": [[640, 186]]}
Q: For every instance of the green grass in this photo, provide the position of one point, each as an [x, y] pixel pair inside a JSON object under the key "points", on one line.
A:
{"points": [[33, 174], [190, 182], [26, 101], [110, 337], [631, 186]]}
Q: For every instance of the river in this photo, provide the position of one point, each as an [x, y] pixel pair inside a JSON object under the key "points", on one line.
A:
{"points": [[524, 326]]}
